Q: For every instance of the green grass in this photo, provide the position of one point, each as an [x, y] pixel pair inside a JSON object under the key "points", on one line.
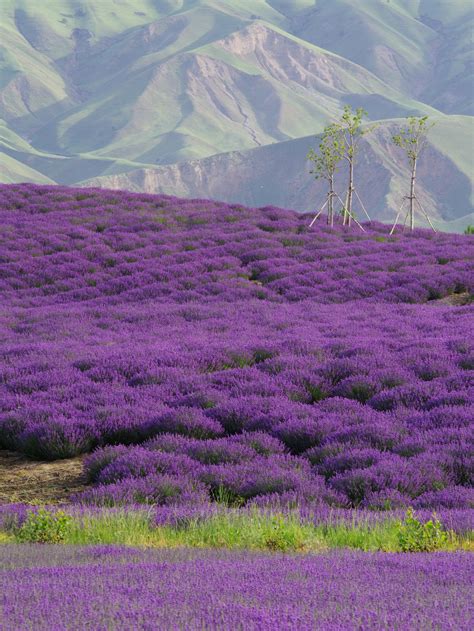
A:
{"points": [[6, 538], [121, 527], [255, 530]]}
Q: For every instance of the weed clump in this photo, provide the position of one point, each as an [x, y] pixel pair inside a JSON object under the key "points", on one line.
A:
{"points": [[415, 536], [43, 526]]}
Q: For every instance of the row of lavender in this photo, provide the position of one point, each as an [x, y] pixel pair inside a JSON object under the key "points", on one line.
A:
{"points": [[257, 361], [47, 587]]}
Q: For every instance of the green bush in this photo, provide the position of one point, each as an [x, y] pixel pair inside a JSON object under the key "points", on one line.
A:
{"points": [[415, 536], [281, 535], [43, 526]]}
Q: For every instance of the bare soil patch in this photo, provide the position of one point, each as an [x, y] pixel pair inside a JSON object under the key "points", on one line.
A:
{"points": [[454, 300], [36, 481]]}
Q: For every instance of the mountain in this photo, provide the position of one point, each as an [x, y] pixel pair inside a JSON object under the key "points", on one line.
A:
{"points": [[224, 98], [249, 176]]}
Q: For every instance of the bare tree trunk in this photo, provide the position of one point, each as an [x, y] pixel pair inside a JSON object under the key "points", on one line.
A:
{"points": [[348, 210], [412, 195], [330, 205]]}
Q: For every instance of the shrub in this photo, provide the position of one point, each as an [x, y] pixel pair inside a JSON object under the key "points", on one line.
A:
{"points": [[281, 535], [350, 458], [98, 460], [299, 434], [10, 429], [263, 444], [43, 526], [415, 536], [155, 489], [258, 477], [188, 422], [359, 388], [452, 497], [244, 414], [138, 462], [61, 438]]}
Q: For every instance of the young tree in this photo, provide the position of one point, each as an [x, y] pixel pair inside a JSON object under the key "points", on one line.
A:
{"points": [[325, 163], [412, 139], [350, 126]]}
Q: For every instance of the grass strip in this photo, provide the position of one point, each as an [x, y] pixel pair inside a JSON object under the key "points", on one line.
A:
{"points": [[255, 530]]}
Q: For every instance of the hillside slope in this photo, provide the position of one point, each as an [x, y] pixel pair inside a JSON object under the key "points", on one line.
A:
{"points": [[216, 351], [93, 91]]}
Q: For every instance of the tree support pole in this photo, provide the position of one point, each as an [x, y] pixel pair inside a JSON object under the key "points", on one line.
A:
{"points": [[406, 218], [363, 207], [425, 213], [398, 215], [320, 210], [350, 214]]}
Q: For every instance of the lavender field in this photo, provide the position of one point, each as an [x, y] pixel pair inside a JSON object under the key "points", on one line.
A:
{"points": [[209, 352], [121, 588], [212, 361], [249, 357]]}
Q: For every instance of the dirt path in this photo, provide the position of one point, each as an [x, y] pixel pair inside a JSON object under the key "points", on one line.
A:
{"points": [[25, 480]]}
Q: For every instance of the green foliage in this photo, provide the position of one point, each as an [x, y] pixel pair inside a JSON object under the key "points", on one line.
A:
{"points": [[238, 360], [225, 496], [361, 392], [412, 137], [291, 242], [415, 536], [330, 153], [43, 526], [262, 354], [282, 534], [316, 392], [5, 538], [351, 131], [469, 229], [350, 126]]}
